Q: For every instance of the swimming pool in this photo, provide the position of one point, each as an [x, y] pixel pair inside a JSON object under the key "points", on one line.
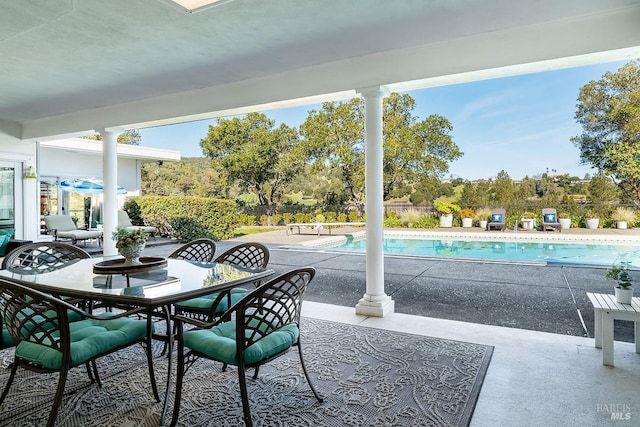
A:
{"points": [[596, 254]]}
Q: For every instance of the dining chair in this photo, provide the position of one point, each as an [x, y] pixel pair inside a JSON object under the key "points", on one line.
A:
{"points": [[262, 326], [207, 307], [196, 250], [42, 257], [47, 341]]}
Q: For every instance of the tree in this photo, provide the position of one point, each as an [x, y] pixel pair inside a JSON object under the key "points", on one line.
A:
{"points": [[601, 189], [413, 149], [503, 189], [129, 137], [249, 150], [609, 112]]}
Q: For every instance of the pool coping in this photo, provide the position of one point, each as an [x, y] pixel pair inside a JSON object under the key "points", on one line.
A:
{"points": [[479, 236]]}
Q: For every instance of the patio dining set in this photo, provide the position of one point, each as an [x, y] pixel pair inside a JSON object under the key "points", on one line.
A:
{"points": [[61, 309]]}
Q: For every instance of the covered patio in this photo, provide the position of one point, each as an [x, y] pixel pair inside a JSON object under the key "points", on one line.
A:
{"points": [[78, 67]]}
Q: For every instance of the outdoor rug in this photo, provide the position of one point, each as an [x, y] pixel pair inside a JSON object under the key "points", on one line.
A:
{"points": [[367, 377]]}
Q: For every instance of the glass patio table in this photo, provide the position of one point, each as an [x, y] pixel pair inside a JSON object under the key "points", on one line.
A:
{"points": [[155, 289]]}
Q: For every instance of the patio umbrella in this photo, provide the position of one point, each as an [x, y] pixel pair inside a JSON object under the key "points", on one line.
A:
{"points": [[88, 186]]}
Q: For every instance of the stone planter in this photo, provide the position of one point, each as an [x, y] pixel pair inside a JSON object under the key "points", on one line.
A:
{"points": [[446, 220], [132, 254], [623, 296], [622, 225], [565, 223], [467, 222], [592, 223]]}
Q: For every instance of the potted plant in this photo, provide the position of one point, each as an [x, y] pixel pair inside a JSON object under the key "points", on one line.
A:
{"points": [[623, 216], [528, 220], [564, 218], [446, 210], [130, 244], [467, 215], [483, 215], [624, 289], [591, 219]]}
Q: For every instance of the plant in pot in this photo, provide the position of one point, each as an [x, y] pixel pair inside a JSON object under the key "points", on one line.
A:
{"points": [[446, 210], [467, 215], [623, 216], [564, 218], [483, 215], [591, 219], [130, 244], [528, 220], [623, 289]]}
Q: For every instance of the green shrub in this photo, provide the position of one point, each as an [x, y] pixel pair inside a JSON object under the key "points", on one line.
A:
{"points": [[276, 219], [300, 217], [411, 217], [188, 229], [264, 220], [342, 217], [392, 221], [427, 221], [251, 220], [331, 216], [353, 216], [217, 216], [287, 218]]}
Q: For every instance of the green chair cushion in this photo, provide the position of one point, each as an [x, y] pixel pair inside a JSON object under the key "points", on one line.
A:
{"points": [[219, 343], [204, 302], [89, 338], [5, 235], [7, 341]]}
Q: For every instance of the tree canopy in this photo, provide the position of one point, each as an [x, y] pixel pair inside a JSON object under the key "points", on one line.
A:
{"points": [[609, 112], [130, 137], [413, 148], [253, 153]]}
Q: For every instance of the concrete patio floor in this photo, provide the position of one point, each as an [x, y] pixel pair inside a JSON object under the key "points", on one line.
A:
{"points": [[545, 370]]}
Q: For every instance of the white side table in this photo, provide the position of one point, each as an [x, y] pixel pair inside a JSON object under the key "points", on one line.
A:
{"points": [[605, 310]]}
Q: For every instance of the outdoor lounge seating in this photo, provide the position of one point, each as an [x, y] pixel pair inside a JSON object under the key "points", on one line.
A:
{"points": [[497, 221], [125, 222], [47, 341], [264, 325], [319, 226], [550, 219], [63, 227]]}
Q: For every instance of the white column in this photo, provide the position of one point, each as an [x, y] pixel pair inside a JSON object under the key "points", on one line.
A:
{"points": [[374, 302], [110, 192]]}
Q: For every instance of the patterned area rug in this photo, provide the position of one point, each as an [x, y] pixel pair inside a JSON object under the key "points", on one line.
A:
{"points": [[367, 377]]}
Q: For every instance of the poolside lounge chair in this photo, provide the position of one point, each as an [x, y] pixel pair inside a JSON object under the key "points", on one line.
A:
{"points": [[550, 219], [125, 222], [63, 227], [497, 221]]}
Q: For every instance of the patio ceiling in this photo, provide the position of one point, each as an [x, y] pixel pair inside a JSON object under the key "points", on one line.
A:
{"points": [[72, 66]]}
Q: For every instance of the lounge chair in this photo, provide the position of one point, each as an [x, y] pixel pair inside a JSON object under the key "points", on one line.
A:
{"points": [[125, 222], [63, 227], [497, 220], [550, 219]]}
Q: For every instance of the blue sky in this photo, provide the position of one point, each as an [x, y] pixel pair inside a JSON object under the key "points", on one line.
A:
{"points": [[522, 124]]}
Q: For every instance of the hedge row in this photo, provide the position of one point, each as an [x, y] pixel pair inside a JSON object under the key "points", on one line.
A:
{"points": [[185, 218]]}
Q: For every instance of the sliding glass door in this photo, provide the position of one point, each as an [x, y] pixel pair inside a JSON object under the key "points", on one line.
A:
{"points": [[11, 196]]}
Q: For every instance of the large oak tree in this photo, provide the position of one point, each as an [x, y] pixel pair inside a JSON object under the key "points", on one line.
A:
{"points": [[609, 112], [413, 148], [253, 153]]}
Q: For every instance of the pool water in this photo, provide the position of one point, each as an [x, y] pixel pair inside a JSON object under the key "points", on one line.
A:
{"points": [[543, 252]]}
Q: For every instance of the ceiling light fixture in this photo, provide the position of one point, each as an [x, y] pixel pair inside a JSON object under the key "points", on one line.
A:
{"points": [[193, 6]]}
